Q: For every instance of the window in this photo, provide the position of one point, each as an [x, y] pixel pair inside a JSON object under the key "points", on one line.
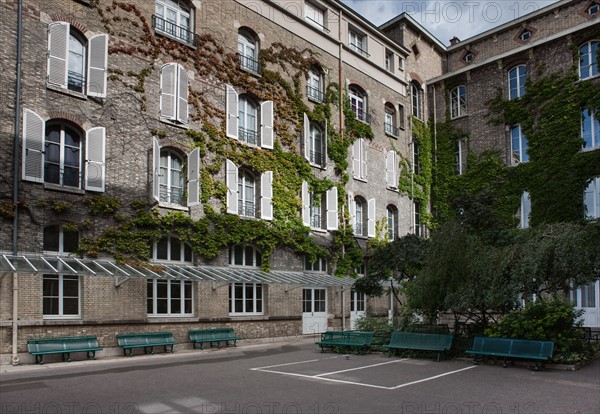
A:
{"points": [[401, 63], [169, 177], [248, 51], [416, 51], [245, 299], [416, 94], [357, 301], [418, 226], [247, 256], [319, 265], [401, 116], [588, 60], [360, 211], [416, 165], [460, 156], [362, 215], [359, 159], [517, 77], [468, 57], [61, 293], [172, 249], [392, 222], [525, 35], [315, 142], [315, 87], [76, 63], [54, 153], [173, 18], [518, 146], [358, 103], [169, 297], [593, 9], [391, 170], [247, 196], [357, 42], [458, 102], [314, 15], [319, 211], [247, 113], [584, 296], [590, 129], [389, 121], [525, 210], [174, 94], [316, 210], [389, 61], [591, 199]]}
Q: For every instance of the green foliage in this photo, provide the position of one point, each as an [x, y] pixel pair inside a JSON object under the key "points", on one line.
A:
{"points": [[547, 320], [99, 205], [382, 330]]}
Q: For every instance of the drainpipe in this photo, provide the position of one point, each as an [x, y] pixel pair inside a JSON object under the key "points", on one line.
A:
{"points": [[15, 280], [342, 130]]}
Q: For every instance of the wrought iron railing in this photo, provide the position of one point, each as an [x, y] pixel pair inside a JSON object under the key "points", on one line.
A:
{"points": [[315, 221], [172, 195], [315, 94], [248, 136], [249, 63], [246, 208], [180, 33], [361, 115], [76, 81], [359, 49], [317, 157], [391, 130]]}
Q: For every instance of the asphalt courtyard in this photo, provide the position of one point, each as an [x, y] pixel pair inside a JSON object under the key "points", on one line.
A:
{"points": [[292, 377]]}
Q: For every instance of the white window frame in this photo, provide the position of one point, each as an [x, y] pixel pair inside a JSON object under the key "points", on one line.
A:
{"points": [[174, 94], [247, 110], [392, 222], [520, 79], [359, 159], [589, 121], [525, 210], [180, 32], [591, 199], [256, 256], [243, 198], [61, 297], [358, 104], [314, 15], [416, 100], [168, 190], [389, 121], [458, 102], [169, 259], [61, 240], [171, 286], [417, 223], [316, 145], [63, 149], [248, 50], [593, 67], [256, 287], [518, 146], [389, 61], [318, 266], [357, 41], [315, 90], [460, 157], [593, 9]]}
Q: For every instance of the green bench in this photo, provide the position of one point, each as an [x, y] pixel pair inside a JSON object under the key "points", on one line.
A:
{"points": [[64, 346], [346, 339], [419, 341], [511, 348], [213, 335], [147, 340]]}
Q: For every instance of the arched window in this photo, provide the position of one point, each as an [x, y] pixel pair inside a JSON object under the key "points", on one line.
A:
{"points": [[172, 249], [317, 145], [171, 178], [518, 145], [591, 199], [248, 49], [63, 155], [590, 128], [416, 94], [315, 88], [392, 222], [517, 77], [458, 102], [588, 60], [361, 216], [61, 239], [247, 118], [174, 18], [246, 194], [389, 121], [358, 103]]}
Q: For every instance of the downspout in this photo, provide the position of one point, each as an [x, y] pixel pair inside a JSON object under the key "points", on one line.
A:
{"points": [[342, 130], [15, 280]]}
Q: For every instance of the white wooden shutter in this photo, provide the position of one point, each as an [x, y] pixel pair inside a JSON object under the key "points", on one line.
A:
{"points": [[58, 49], [371, 218], [391, 169], [305, 204], [97, 65], [352, 211], [356, 158], [34, 134], [193, 176], [266, 195], [182, 95], [266, 125], [363, 159], [95, 155], [332, 208], [231, 106], [231, 180], [155, 169], [306, 137], [325, 145], [168, 91]]}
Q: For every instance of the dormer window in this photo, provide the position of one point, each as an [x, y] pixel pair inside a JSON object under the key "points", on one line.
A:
{"points": [[468, 57], [525, 35], [593, 9]]}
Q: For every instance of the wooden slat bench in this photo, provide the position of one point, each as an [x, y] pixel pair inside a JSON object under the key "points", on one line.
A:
{"points": [[213, 335], [64, 346], [419, 341], [512, 348], [346, 339], [147, 340]]}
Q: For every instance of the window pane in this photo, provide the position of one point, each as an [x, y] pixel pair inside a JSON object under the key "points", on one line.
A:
{"points": [[70, 241], [175, 289], [161, 289], [249, 256], [161, 306], [161, 249], [50, 306], [187, 252], [176, 306], [239, 255], [51, 238], [50, 286], [70, 286], [175, 249], [71, 306]]}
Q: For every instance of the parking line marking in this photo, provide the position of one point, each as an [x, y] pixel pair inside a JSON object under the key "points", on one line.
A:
{"points": [[432, 378], [293, 374], [368, 366], [292, 363]]}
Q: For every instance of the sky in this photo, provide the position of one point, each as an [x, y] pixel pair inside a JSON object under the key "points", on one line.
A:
{"points": [[448, 18]]}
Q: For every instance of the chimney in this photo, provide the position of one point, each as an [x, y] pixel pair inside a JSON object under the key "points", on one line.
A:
{"points": [[454, 41]]}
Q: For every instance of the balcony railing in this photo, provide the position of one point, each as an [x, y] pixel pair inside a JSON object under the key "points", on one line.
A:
{"points": [[249, 63], [361, 115], [315, 221], [391, 130], [172, 195], [248, 136], [359, 49], [315, 94], [317, 157], [76, 81], [246, 208], [168, 28]]}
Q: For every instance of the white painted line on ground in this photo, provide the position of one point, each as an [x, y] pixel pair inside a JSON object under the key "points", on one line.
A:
{"points": [[293, 374], [292, 363], [365, 367], [432, 378]]}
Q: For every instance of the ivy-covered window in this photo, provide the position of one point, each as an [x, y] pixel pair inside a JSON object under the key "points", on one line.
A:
{"points": [[246, 194], [360, 210], [359, 159], [248, 50], [458, 102], [416, 94], [174, 94], [319, 265], [590, 129], [392, 222], [362, 215], [417, 224], [358, 103], [169, 298], [518, 146], [416, 165], [591, 199], [525, 210], [245, 299], [319, 210], [171, 178], [247, 120], [249, 195], [173, 18], [588, 60], [315, 142], [389, 120], [315, 88], [172, 249], [460, 156], [317, 206], [244, 255], [517, 77]]}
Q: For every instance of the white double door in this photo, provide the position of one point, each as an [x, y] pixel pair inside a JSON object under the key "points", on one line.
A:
{"points": [[587, 298], [358, 304], [314, 310]]}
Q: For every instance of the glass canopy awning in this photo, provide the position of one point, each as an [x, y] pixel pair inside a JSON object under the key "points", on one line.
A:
{"points": [[67, 265]]}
